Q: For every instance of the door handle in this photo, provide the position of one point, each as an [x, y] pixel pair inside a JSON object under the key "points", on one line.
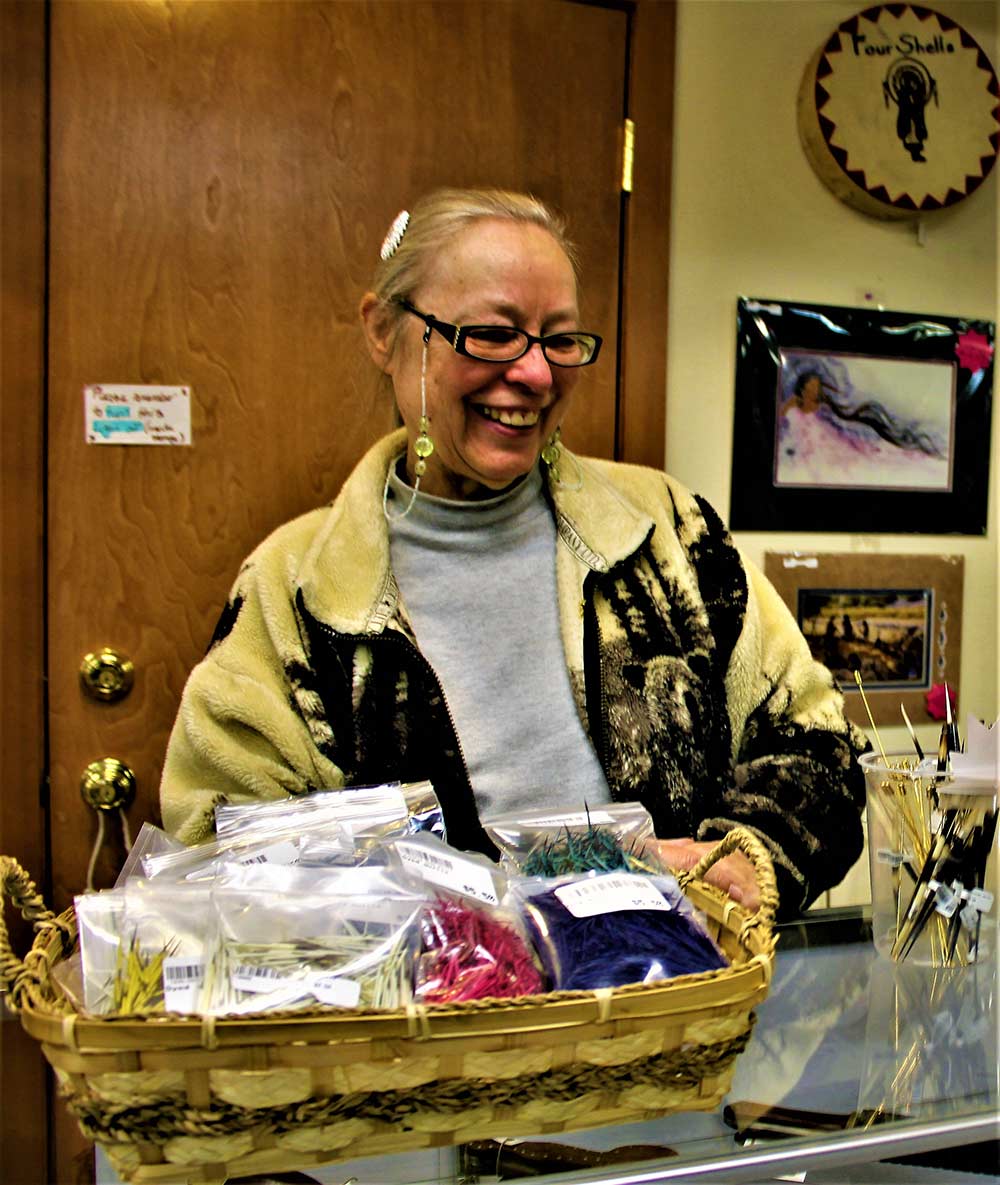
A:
{"points": [[106, 675], [107, 784]]}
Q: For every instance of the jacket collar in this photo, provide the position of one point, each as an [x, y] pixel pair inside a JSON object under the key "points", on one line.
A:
{"points": [[597, 521], [345, 577]]}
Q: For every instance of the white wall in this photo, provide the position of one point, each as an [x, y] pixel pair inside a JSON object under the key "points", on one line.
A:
{"points": [[751, 218]]}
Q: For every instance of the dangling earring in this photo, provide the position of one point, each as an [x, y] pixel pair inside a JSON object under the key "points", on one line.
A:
{"points": [[552, 454], [423, 446]]}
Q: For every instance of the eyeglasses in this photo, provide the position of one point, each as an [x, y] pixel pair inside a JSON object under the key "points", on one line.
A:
{"points": [[504, 343]]}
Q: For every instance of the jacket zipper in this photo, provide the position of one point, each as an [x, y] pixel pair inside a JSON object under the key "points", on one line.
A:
{"points": [[391, 639]]}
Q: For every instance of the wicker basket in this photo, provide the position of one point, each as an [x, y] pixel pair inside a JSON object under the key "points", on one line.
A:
{"points": [[199, 1100]]}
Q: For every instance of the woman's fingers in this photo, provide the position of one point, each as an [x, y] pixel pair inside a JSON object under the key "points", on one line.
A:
{"points": [[734, 874]]}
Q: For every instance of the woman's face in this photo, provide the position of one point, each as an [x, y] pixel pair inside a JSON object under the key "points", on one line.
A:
{"points": [[810, 397], [493, 272]]}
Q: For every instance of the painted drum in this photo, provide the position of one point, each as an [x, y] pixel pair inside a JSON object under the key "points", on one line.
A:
{"points": [[899, 112]]}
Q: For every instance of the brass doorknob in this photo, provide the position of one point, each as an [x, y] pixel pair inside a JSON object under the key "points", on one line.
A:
{"points": [[106, 675], [107, 784]]}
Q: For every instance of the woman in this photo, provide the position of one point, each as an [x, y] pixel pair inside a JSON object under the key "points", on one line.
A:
{"points": [[480, 608]]}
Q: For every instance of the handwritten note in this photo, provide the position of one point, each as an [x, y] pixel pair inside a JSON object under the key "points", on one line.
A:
{"points": [[128, 413]]}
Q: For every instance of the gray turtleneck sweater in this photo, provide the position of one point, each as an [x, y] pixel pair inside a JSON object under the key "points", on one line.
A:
{"points": [[478, 580]]}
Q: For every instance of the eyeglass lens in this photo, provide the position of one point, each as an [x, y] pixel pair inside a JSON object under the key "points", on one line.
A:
{"points": [[498, 343]]}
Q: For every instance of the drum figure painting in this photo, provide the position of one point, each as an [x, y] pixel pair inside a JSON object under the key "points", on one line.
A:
{"points": [[863, 422]]}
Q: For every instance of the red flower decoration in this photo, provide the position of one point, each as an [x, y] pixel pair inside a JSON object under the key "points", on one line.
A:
{"points": [[935, 701], [973, 350]]}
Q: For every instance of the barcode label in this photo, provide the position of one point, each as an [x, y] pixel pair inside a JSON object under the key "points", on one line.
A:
{"points": [[450, 872], [284, 852], [182, 983], [610, 894], [246, 977], [181, 972]]}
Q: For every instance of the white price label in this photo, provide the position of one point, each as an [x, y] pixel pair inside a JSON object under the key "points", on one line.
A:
{"points": [[450, 872], [611, 893], [341, 993], [981, 900], [182, 984]]}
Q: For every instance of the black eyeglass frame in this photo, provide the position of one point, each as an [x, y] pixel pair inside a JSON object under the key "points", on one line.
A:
{"points": [[455, 336]]}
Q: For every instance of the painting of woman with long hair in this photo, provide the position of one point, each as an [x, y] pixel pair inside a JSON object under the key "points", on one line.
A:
{"points": [[863, 423]]}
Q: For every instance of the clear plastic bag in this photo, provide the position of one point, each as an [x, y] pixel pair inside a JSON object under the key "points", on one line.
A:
{"points": [[294, 938], [167, 928], [470, 948], [151, 841], [142, 947], [608, 929], [557, 843], [367, 815], [100, 921], [286, 842], [430, 862], [424, 809]]}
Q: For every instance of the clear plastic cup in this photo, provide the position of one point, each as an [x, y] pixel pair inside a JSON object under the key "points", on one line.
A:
{"points": [[922, 911]]}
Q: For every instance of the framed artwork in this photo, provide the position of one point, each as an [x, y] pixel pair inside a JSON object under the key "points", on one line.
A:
{"points": [[860, 420], [895, 619]]}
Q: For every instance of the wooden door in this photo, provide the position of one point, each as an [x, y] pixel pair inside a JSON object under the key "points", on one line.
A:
{"points": [[220, 177]]}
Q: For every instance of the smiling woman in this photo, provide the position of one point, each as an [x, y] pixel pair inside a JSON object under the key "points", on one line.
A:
{"points": [[481, 608], [502, 289]]}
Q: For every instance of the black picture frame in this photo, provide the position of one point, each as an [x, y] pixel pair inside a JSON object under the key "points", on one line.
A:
{"points": [[860, 420]]}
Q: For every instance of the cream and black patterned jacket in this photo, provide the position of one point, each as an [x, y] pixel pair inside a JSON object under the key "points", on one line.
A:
{"points": [[691, 678]]}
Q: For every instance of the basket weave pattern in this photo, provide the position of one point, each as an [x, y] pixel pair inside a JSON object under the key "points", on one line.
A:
{"points": [[174, 1099]]}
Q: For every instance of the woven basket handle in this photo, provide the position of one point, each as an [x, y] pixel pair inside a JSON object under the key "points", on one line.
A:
{"points": [[742, 840], [15, 884]]}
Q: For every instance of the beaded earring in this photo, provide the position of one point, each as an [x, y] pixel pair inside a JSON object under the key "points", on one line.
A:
{"points": [[423, 446], [552, 454]]}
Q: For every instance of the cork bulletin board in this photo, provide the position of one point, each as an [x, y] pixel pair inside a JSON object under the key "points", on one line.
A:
{"points": [[896, 619]]}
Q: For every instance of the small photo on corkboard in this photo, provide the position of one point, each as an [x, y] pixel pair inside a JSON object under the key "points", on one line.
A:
{"points": [[894, 619]]}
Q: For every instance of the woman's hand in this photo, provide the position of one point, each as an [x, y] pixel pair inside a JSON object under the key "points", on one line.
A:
{"points": [[734, 874]]}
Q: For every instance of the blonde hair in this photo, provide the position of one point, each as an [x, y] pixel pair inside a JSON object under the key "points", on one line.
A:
{"points": [[444, 213]]}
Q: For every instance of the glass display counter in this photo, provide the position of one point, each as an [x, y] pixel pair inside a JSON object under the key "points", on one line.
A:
{"points": [[854, 1060]]}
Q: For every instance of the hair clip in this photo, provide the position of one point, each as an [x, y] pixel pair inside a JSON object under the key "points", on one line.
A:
{"points": [[394, 236]]}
